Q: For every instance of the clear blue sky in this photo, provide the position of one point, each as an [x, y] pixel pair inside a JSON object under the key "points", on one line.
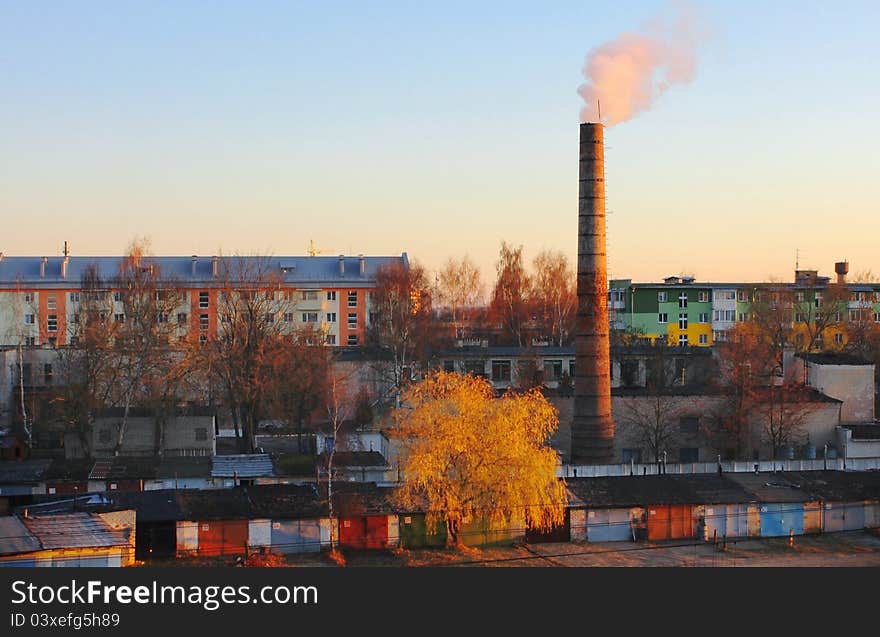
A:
{"points": [[438, 130]]}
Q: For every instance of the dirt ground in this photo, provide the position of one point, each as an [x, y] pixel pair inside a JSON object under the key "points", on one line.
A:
{"points": [[854, 548]]}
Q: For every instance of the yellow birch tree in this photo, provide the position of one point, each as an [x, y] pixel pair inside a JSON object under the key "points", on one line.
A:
{"points": [[468, 455]]}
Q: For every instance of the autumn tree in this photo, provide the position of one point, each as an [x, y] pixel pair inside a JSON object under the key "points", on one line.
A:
{"points": [[784, 412], [240, 359], [144, 335], [509, 305], [459, 287], [554, 296], [816, 314], [402, 318], [301, 370], [467, 454]]}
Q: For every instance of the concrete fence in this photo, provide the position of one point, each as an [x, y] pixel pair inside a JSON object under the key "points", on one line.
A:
{"points": [[739, 466]]}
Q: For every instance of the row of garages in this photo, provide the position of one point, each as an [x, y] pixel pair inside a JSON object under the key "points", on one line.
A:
{"points": [[296, 519]]}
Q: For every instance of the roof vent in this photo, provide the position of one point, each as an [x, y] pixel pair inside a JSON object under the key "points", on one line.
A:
{"points": [[341, 264]]}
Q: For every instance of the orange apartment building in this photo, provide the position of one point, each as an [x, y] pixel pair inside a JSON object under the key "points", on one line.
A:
{"points": [[40, 296]]}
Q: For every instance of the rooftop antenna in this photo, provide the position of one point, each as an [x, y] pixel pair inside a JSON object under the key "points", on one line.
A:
{"points": [[797, 259], [599, 108]]}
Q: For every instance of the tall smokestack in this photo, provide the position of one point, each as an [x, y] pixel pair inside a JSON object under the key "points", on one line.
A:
{"points": [[592, 432]]}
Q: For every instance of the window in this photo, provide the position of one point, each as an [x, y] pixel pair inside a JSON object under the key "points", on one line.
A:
{"points": [[201, 433], [838, 338], [818, 299], [352, 339], [571, 367], [877, 317], [119, 318], [331, 296], [30, 340], [742, 317], [52, 323], [704, 339], [331, 339], [689, 424], [161, 317], [29, 319], [270, 318], [683, 300], [475, 367], [553, 370], [104, 435], [181, 319], [742, 296], [877, 297], [28, 297], [682, 321], [855, 316], [799, 297], [501, 371], [704, 317], [682, 340], [74, 297], [202, 339], [47, 373], [309, 317], [688, 454], [353, 298], [799, 318], [704, 296], [663, 317], [838, 317], [618, 296], [203, 322], [730, 315], [288, 317], [117, 296], [51, 302], [309, 295], [629, 455], [331, 317], [448, 366], [352, 320], [203, 300], [661, 297], [726, 295]]}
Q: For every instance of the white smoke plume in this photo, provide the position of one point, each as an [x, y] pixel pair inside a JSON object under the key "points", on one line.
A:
{"points": [[625, 76]]}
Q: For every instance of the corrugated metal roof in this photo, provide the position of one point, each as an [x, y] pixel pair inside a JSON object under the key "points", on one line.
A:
{"points": [[73, 530], [15, 537], [242, 465], [23, 471], [295, 270]]}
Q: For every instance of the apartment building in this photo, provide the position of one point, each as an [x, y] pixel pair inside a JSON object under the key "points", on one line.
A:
{"points": [[683, 311], [41, 297]]}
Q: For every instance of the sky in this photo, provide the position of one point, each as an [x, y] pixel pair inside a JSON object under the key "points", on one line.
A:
{"points": [[438, 130]]}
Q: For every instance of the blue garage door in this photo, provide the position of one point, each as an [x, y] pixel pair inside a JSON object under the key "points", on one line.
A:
{"points": [[296, 536], [608, 525], [777, 520], [844, 516]]}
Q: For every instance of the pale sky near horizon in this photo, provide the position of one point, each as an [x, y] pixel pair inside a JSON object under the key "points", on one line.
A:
{"points": [[438, 130]]}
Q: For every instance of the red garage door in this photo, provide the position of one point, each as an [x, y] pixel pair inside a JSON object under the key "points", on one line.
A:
{"points": [[223, 537], [364, 532], [670, 522]]}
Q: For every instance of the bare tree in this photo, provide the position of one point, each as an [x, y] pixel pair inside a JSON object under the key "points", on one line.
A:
{"points": [[510, 297], [255, 319], [554, 293], [402, 318], [460, 287], [784, 411], [340, 405], [652, 421]]}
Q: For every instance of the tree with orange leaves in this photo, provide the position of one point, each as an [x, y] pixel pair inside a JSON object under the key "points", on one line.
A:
{"points": [[466, 454]]}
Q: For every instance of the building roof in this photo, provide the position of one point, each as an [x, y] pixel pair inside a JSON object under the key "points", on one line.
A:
{"points": [[772, 487], [185, 467], [73, 530], [124, 468], [15, 537], [833, 358], [302, 271], [23, 471], [353, 459], [839, 486], [506, 352], [286, 501], [626, 491], [362, 498], [253, 465]]}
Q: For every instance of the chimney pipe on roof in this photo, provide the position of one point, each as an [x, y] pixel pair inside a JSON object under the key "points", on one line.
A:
{"points": [[195, 260], [842, 269], [341, 264], [43, 263], [64, 263], [363, 264], [215, 263]]}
